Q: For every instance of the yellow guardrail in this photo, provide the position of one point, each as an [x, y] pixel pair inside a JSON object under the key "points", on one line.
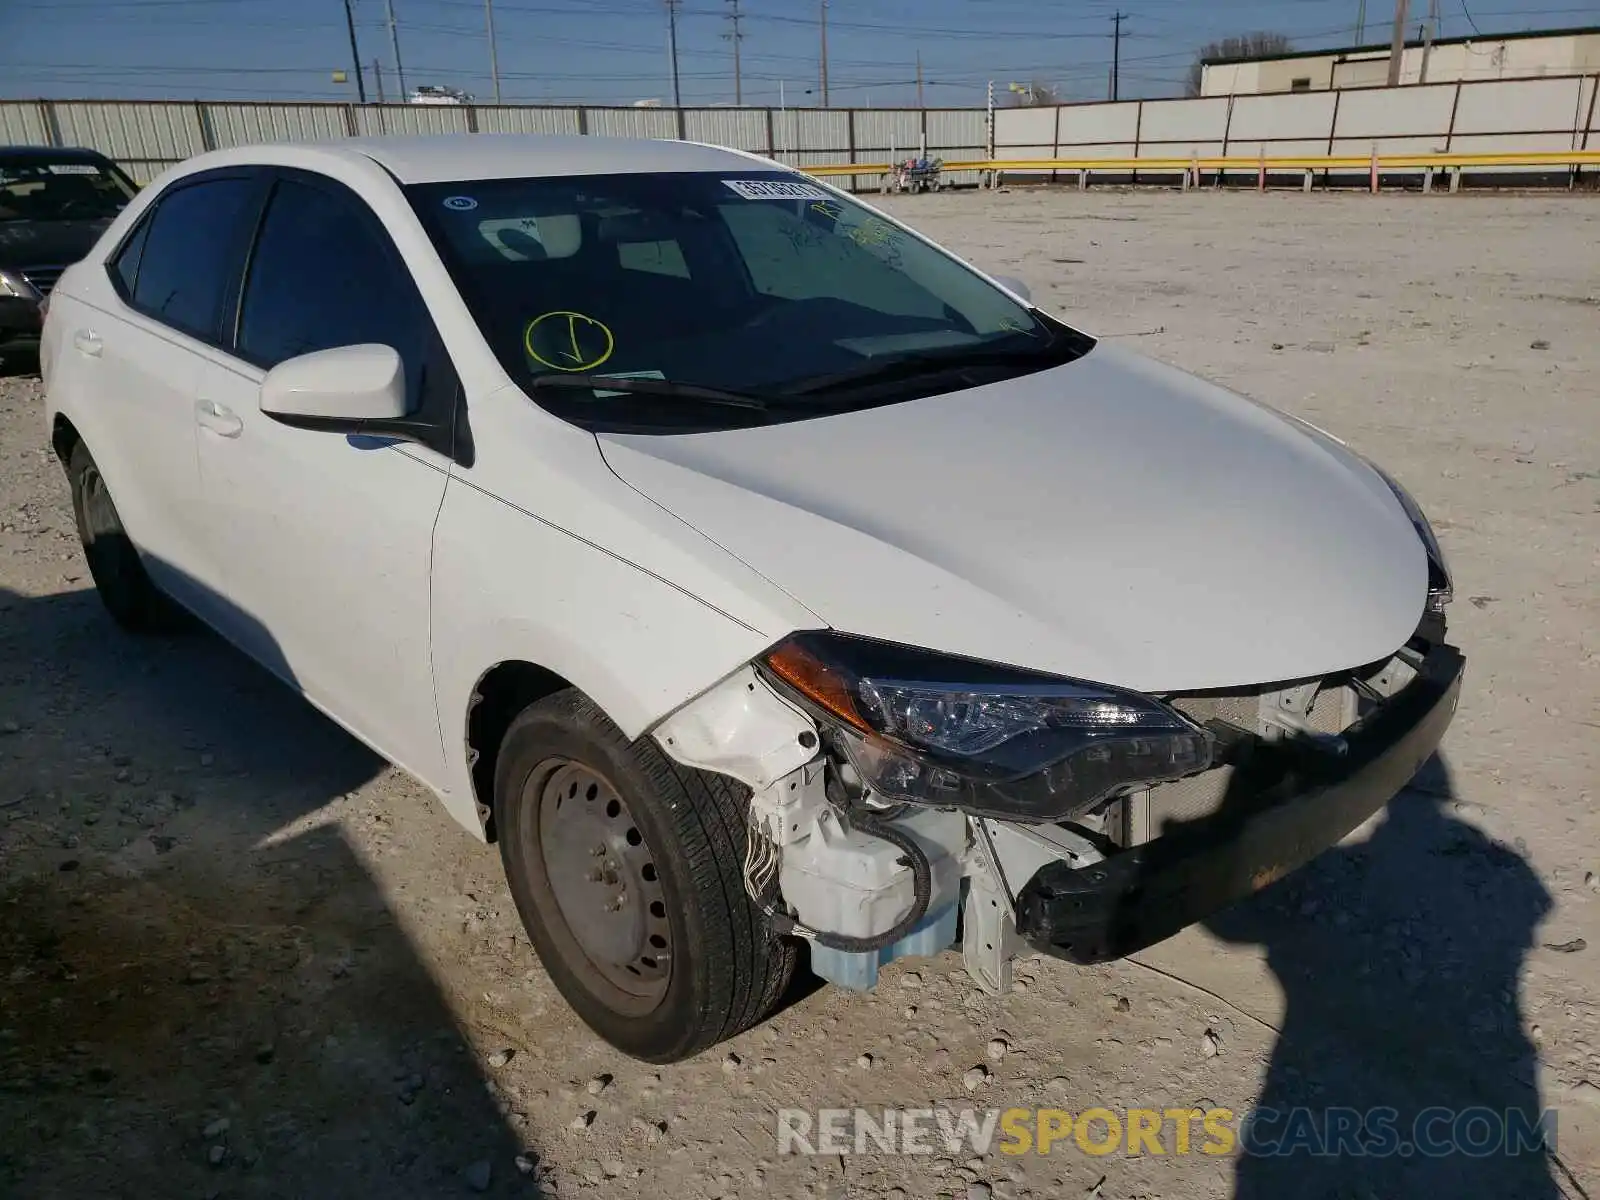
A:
{"points": [[1320, 162]]}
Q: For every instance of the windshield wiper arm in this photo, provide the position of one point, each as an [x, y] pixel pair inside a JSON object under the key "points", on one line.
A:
{"points": [[599, 382], [912, 366]]}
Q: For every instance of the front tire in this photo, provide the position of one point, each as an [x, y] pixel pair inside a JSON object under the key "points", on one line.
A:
{"points": [[119, 576], [627, 870]]}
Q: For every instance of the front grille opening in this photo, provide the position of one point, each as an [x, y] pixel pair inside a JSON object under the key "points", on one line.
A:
{"points": [[42, 278], [1147, 814]]}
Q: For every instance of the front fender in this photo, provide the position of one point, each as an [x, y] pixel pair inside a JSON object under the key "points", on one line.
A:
{"points": [[508, 587]]}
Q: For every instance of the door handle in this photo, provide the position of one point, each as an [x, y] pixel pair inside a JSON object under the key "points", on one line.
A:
{"points": [[87, 341], [218, 418]]}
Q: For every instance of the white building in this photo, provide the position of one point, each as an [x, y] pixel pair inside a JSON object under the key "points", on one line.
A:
{"points": [[432, 94], [1502, 56]]}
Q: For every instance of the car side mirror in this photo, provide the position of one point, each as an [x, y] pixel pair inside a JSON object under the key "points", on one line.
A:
{"points": [[1015, 285], [340, 389]]}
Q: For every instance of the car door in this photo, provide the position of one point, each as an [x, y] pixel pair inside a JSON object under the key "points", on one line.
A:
{"points": [[134, 359], [326, 538]]}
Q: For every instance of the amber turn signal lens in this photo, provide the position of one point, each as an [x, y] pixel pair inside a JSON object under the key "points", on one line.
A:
{"points": [[816, 681]]}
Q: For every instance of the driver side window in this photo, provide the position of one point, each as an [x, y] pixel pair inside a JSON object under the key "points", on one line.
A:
{"points": [[322, 276]]}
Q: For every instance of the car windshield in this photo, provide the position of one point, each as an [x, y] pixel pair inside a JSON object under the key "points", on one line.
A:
{"points": [[755, 285], [37, 189]]}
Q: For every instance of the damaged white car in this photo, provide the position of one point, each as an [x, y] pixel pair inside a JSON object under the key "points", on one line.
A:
{"points": [[767, 582]]}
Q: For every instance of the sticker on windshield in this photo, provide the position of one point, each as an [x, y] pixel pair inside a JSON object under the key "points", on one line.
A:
{"points": [[74, 169], [774, 189], [568, 341], [460, 203]]}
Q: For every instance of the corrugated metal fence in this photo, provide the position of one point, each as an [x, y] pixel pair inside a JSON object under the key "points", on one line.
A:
{"points": [[1497, 116], [148, 136], [1521, 115]]}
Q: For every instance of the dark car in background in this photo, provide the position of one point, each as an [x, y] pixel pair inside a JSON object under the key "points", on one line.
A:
{"points": [[54, 204]]}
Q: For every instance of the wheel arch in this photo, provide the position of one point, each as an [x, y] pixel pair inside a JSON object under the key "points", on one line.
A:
{"points": [[64, 438], [498, 695]]}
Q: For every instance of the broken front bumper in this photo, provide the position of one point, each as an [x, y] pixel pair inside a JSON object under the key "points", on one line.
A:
{"points": [[1142, 895]]}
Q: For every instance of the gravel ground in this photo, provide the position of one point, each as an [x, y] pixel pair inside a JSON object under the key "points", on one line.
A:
{"points": [[240, 956]]}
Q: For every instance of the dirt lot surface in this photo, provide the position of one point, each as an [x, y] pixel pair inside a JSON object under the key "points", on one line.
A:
{"points": [[240, 956]]}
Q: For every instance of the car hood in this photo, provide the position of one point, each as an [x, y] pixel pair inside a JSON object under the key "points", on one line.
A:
{"points": [[48, 243], [1111, 519]]}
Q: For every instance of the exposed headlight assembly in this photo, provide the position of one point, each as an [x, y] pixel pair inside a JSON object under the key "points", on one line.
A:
{"points": [[991, 740], [14, 285]]}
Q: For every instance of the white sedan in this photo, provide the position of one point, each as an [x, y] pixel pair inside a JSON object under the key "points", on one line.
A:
{"points": [[758, 575]]}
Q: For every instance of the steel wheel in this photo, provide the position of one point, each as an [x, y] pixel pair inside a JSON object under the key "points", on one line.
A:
{"points": [[114, 564], [628, 872], [109, 561], [604, 882]]}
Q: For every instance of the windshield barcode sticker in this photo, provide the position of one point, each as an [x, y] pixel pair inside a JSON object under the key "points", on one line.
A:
{"points": [[74, 169], [769, 189]]}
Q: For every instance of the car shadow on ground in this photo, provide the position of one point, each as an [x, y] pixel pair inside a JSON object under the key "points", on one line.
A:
{"points": [[1399, 958], [203, 992]]}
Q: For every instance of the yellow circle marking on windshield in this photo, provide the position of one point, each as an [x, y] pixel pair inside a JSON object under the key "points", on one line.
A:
{"points": [[568, 341]]}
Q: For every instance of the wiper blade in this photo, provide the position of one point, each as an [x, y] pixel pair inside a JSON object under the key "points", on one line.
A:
{"points": [[913, 366], [589, 381]]}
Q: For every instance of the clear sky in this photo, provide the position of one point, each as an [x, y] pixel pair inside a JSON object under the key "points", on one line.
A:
{"points": [[614, 51]]}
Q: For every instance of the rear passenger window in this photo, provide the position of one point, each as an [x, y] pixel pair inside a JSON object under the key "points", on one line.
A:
{"points": [[322, 275], [125, 267], [192, 248]]}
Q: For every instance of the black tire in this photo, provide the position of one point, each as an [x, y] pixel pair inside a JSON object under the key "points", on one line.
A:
{"points": [[120, 578], [727, 968]]}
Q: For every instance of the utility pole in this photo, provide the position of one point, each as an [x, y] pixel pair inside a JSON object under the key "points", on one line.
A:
{"points": [[735, 35], [1427, 38], [1397, 42], [355, 55], [394, 41], [377, 75], [825, 53], [1116, 52], [1361, 22], [920, 103], [494, 54], [672, 48], [988, 123]]}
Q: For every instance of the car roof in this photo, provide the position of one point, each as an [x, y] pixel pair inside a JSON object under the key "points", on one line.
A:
{"points": [[467, 156], [53, 153]]}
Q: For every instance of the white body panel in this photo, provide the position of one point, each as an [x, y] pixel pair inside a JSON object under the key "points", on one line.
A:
{"points": [[543, 555], [132, 381], [1112, 519], [324, 544]]}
